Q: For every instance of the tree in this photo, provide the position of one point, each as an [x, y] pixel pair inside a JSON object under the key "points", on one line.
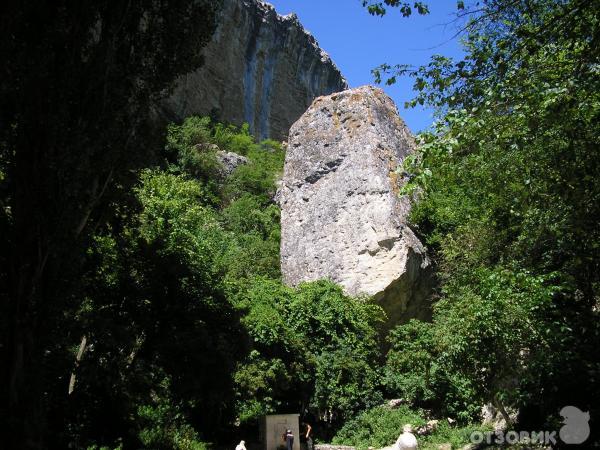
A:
{"points": [[509, 199], [377, 8], [312, 347], [162, 338], [78, 85]]}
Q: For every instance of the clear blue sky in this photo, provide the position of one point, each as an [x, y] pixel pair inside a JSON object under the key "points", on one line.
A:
{"points": [[358, 42]]}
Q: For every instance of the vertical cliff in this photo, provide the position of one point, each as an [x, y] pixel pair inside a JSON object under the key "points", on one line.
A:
{"points": [[260, 68]]}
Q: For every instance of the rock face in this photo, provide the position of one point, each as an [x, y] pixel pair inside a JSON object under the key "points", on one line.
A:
{"points": [[341, 215], [229, 162], [260, 68], [490, 416]]}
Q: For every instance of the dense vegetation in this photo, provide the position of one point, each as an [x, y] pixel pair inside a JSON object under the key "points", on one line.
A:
{"points": [[76, 92], [379, 427], [142, 305], [178, 325], [509, 204]]}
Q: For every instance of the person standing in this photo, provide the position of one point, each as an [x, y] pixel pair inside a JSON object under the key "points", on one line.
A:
{"points": [[288, 437], [308, 435]]}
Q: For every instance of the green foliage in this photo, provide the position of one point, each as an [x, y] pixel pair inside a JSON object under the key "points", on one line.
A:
{"points": [[339, 335], [172, 259], [96, 447], [172, 206], [163, 426], [257, 380], [347, 380], [377, 427], [312, 346], [259, 176], [416, 371], [190, 145], [377, 8], [489, 330], [237, 140], [380, 427], [509, 205], [410, 362], [254, 224], [485, 344], [250, 215], [156, 310]]}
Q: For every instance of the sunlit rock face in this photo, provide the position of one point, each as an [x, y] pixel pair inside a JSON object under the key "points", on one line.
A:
{"points": [[260, 68], [342, 217]]}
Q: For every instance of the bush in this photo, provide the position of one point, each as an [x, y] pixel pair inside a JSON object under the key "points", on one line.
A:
{"points": [[312, 345], [377, 427], [165, 429], [188, 147], [380, 427], [259, 176]]}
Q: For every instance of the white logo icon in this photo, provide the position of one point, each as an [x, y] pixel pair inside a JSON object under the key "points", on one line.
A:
{"points": [[576, 428]]}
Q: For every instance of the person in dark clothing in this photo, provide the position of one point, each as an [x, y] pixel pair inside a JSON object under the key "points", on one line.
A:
{"points": [[308, 435], [288, 437]]}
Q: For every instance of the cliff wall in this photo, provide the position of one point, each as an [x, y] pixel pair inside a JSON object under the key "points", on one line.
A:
{"points": [[260, 68]]}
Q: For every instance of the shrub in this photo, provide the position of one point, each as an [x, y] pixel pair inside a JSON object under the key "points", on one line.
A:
{"points": [[380, 427], [188, 147], [319, 344]]}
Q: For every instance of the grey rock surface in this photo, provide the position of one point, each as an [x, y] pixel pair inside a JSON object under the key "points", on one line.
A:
{"points": [[395, 403], [333, 447], [260, 68], [491, 416], [230, 161], [342, 217]]}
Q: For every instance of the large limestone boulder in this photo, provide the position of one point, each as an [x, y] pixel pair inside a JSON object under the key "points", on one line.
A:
{"points": [[341, 215]]}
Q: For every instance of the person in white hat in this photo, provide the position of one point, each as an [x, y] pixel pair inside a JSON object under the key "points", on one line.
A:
{"points": [[241, 446], [407, 440]]}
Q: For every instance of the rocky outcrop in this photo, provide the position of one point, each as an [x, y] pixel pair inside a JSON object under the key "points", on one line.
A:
{"points": [[492, 417], [229, 162], [260, 68], [342, 217]]}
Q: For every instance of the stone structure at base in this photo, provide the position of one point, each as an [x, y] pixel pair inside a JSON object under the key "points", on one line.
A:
{"points": [[341, 214], [273, 427]]}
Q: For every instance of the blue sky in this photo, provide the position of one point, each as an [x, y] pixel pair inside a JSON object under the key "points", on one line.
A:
{"points": [[358, 42]]}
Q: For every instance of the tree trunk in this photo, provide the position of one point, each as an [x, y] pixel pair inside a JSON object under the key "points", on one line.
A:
{"points": [[500, 407], [77, 360], [22, 402]]}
